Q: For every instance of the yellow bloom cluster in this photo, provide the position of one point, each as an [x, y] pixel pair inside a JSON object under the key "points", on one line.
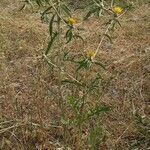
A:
{"points": [[72, 21], [117, 10], [91, 54]]}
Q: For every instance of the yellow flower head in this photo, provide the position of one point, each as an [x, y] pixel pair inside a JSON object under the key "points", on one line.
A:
{"points": [[91, 54], [72, 21], [117, 10]]}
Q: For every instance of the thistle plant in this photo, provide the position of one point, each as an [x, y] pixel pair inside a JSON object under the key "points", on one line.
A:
{"points": [[78, 72]]}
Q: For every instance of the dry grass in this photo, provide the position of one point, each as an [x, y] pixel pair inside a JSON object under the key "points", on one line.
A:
{"points": [[29, 117]]}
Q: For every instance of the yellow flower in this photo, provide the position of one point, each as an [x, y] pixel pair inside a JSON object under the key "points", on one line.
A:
{"points": [[91, 54], [72, 21], [117, 10]]}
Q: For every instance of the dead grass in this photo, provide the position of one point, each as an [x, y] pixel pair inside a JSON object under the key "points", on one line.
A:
{"points": [[27, 111]]}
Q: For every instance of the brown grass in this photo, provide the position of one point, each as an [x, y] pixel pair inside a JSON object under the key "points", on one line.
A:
{"points": [[29, 116]]}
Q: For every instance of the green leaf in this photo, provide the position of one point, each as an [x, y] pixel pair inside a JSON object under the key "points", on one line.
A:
{"points": [[94, 83], [23, 6], [46, 11], [47, 1], [78, 36], [58, 20], [96, 111], [83, 64], [108, 36], [95, 137], [69, 35], [108, 22], [113, 26], [51, 42], [90, 13], [66, 9], [72, 82], [51, 25], [100, 64], [64, 122], [80, 29], [75, 104], [118, 22], [67, 57], [39, 2]]}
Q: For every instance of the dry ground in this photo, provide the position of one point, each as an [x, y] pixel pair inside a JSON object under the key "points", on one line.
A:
{"points": [[25, 81]]}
